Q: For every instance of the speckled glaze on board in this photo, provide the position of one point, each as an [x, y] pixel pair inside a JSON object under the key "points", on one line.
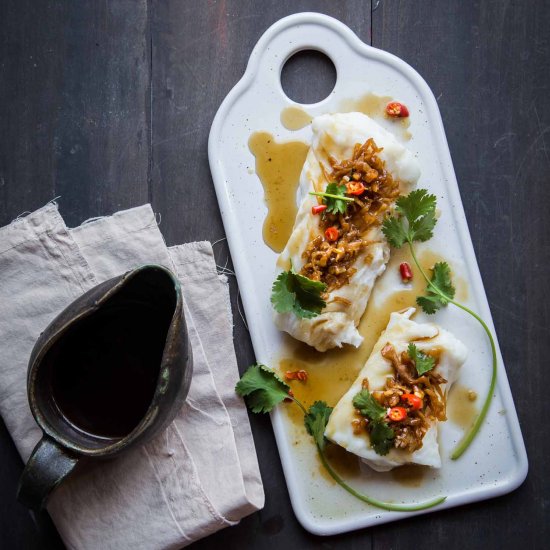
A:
{"points": [[496, 463]]}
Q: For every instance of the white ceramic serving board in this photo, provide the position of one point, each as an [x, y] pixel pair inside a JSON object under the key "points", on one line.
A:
{"points": [[496, 463]]}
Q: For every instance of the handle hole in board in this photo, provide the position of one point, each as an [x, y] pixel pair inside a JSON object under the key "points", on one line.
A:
{"points": [[308, 76]]}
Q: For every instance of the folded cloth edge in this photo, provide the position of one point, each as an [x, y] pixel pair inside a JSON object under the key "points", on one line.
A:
{"points": [[26, 228]]}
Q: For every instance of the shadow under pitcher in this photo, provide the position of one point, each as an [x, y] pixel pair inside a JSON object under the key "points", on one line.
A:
{"points": [[109, 373]]}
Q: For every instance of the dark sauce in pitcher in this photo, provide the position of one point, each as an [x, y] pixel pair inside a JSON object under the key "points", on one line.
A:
{"points": [[107, 366]]}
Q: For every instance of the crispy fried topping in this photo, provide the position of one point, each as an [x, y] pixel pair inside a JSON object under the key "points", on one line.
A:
{"points": [[410, 431], [332, 262]]}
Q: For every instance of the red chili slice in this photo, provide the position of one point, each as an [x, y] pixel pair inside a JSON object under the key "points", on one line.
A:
{"points": [[397, 414], [332, 234], [406, 272], [355, 188], [413, 400], [318, 209], [397, 110]]}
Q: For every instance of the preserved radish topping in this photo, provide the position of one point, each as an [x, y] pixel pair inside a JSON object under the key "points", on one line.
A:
{"points": [[330, 259]]}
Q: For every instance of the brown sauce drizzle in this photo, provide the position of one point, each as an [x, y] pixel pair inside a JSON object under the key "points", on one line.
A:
{"points": [[410, 475], [375, 106], [461, 408], [294, 118], [347, 465], [278, 165]]}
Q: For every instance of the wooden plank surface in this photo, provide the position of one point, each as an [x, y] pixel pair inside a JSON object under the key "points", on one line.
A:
{"points": [[488, 63], [109, 104], [74, 118]]}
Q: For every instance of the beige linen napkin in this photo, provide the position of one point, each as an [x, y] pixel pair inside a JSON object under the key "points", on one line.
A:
{"points": [[197, 477]]}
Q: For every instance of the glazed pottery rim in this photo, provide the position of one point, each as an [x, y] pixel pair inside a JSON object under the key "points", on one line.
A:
{"points": [[116, 444]]}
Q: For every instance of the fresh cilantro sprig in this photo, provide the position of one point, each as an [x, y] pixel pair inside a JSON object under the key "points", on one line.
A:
{"points": [[381, 438], [423, 363], [263, 390], [316, 420], [441, 279], [335, 198], [415, 221], [381, 435], [292, 292], [367, 405]]}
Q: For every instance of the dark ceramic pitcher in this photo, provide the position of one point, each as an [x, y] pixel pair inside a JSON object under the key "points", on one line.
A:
{"points": [[110, 372]]}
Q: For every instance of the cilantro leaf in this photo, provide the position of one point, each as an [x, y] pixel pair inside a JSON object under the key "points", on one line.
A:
{"points": [[316, 421], [422, 362], [422, 228], [292, 292], [335, 206], [440, 290], [308, 296], [418, 209], [429, 304], [335, 198], [394, 231], [262, 388], [367, 405], [441, 278], [381, 437], [282, 298], [416, 204]]}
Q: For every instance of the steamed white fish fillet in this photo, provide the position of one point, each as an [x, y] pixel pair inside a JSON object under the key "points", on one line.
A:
{"points": [[401, 331], [335, 136]]}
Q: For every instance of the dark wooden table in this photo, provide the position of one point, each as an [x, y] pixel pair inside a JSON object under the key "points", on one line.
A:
{"points": [[108, 105]]}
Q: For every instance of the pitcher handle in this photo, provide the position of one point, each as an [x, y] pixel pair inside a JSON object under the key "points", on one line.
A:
{"points": [[46, 468]]}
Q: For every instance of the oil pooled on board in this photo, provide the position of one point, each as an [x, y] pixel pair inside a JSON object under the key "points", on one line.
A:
{"points": [[295, 118], [374, 106], [410, 475], [278, 165], [462, 406], [105, 369]]}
